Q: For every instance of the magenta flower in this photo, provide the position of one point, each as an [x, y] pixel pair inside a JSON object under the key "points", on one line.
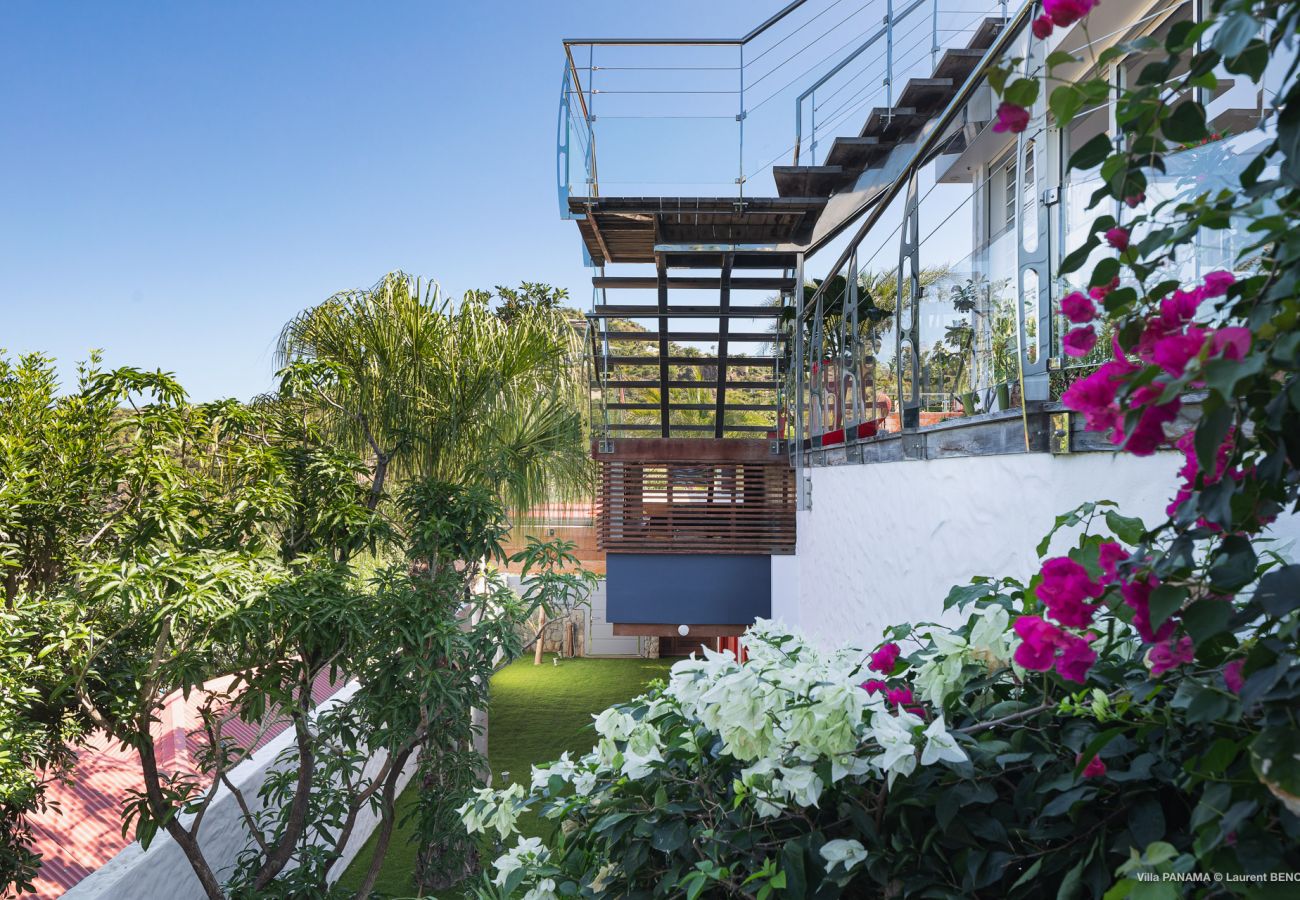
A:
{"points": [[1176, 310], [1137, 594], [1232, 676], [1173, 352], [1149, 434], [1136, 200], [1095, 767], [1042, 27], [1065, 589], [901, 696], [1230, 343], [1076, 658], [1039, 640], [1078, 308], [1168, 654], [1217, 283], [1011, 118], [1094, 396], [1109, 555], [1067, 12], [1117, 237], [873, 686], [884, 659], [1079, 341]]}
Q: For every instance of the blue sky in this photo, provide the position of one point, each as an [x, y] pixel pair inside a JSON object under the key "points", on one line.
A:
{"points": [[178, 179]]}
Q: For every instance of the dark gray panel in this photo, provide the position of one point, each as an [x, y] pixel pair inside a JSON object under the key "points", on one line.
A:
{"points": [[652, 588]]}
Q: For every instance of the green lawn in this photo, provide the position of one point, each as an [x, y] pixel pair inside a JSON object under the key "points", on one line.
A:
{"points": [[538, 712]]}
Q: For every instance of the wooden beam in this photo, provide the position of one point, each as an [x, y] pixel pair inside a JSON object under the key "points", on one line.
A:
{"points": [[724, 303], [752, 337], [664, 426], [692, 450], [691, 284], [646, 311], [630, 629]]}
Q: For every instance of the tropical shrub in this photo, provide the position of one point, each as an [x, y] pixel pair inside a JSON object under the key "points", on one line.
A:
{"points": [[1123, 720]]}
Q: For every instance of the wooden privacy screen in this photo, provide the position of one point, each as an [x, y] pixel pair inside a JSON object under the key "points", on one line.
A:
{"points": [[710, 507]]}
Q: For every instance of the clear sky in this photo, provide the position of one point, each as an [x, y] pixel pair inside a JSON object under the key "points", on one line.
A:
{"points": [[179, 178]]}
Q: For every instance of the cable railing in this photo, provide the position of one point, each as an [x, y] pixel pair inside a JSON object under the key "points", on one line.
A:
{"points": [[952, 275], [705, 116]]}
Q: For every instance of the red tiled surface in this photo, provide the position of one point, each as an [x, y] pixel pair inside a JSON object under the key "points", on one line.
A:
{"points": [[82, 829]]}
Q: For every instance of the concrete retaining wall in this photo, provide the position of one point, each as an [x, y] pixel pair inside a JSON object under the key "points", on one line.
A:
{"points": [[884, 542], [163, 871]]}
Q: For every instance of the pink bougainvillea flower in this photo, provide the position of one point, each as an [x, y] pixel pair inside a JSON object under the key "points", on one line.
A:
{"points": [[1176, 310], [884, 659], [1095, 767], [1011, 118], [900, 696], [1173, 352], [1117, 237], [1067, 12], [1149, 434], [1079, 341], [1042, 27], [1170, 654], [873, 686], [1137, 594], [1065, 589], [1076, 658], [1217, 283], [1232, 676], [1230, 343], [1109, 555], [1078, 308], [1039, 640]]}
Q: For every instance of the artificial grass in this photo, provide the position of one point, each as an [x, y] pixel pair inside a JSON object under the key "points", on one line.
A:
{"points": [[537, 713]]}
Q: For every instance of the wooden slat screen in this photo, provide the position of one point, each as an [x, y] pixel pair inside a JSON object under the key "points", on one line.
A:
{"points": [[711, 507]]}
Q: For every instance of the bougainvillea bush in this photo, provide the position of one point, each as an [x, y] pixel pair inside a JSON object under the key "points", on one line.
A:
{"points": [[1127, 714]]}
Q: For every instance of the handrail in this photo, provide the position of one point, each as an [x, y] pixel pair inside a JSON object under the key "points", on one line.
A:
{"points": [[839, 67], [923, 148], [703, 42]]}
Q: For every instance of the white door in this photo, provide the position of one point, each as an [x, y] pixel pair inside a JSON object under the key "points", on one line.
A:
{"points": [[601, 640]]}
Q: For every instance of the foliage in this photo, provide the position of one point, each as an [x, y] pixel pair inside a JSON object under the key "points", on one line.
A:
{"points": [[1127, 713], [427, 387]]}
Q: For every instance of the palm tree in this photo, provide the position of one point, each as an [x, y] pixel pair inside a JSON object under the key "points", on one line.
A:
{"points": [[425, 387]]}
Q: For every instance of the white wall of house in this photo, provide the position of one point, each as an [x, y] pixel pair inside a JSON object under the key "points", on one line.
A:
{"points": [[163, 871], [883, 543]]}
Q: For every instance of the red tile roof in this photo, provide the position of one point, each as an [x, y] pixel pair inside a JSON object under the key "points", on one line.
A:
{"points": [[82, 829]]}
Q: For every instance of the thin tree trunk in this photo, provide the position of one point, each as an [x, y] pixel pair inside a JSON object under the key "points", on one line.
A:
{"points": [[159, 809], [387, 817], [541, 636]]}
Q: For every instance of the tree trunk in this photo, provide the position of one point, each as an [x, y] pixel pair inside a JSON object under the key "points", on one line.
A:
{"points": [[541, 637], [387, 817]]}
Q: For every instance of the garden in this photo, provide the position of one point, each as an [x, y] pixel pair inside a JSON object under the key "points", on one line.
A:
{"points": [[1123, 723]]}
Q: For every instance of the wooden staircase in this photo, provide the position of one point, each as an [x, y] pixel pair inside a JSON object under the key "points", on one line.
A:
{"points": [[887, 128]]}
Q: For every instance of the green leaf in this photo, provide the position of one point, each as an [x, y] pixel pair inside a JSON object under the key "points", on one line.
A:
{"points": [[1206, 618], [1279, 591], [1022, 92], [1060, 58], [1186, 123], [1104, 272], [1165, 601], [1091, 153], [1275, 757], [1235, 32], [1064, 102], [1234, 565], [1128, 529], [1223, 375]]}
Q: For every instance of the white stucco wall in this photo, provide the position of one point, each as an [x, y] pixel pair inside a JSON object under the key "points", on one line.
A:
{"points": [[163, 871], [884, 542]]}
